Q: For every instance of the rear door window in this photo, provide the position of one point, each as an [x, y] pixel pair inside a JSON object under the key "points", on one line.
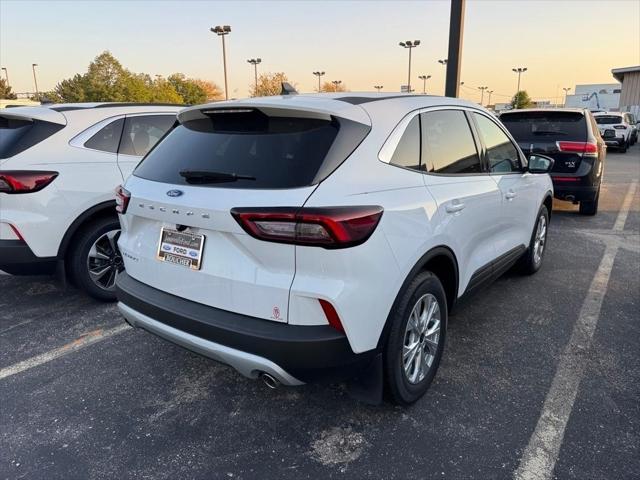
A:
{"points": [[502, 155], [107, 138], [142, 132], [447, 143], [17, 135], [278, 152], [546, 126]]}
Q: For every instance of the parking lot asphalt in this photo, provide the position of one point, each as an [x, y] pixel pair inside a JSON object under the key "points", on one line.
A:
{"points": [[540, 379]]}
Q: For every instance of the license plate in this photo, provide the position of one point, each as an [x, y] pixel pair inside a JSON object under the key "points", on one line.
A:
{"points": [[180, 248], [609, 133]]}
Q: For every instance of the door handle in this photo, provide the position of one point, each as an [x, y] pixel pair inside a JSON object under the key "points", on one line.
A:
{"points": [[455, 206], [510, 195]]}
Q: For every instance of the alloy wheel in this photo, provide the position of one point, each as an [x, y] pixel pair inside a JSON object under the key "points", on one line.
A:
{"points": [[540, 240], [104, 261], [421, 338]]}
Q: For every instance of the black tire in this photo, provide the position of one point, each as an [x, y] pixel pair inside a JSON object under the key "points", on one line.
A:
{"points": [[530, 263], [590, 207], [623, 148], [78, 253], [400, 389]]}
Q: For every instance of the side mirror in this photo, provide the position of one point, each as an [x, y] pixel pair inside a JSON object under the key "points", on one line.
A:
{"points": [[540, 163]]}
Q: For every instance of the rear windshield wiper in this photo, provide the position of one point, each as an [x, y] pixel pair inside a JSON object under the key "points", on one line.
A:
{"points": [[206, 176]]}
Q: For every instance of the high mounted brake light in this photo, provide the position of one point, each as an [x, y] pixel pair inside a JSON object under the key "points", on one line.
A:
{"points": [[327, 227], [24, 181]]}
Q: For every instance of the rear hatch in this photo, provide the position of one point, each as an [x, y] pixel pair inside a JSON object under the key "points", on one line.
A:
{"points": [[561, 135], [215, 160], [608, 124]]}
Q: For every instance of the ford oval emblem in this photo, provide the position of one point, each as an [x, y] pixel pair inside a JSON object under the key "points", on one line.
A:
{"points": [[174, 193]]}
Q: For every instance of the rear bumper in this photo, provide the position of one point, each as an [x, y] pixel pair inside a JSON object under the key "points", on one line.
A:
{"points": [[293, 354], [575, 193], [17, 258]]}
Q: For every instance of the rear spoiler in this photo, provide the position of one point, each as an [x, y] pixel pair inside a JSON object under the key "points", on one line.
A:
{"points": [[43, 114]]}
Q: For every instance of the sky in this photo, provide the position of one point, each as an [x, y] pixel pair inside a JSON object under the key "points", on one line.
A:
{"points": [[562, 43]]}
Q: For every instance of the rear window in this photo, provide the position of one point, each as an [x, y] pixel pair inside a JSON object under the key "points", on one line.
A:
{"points": [[608, 119], [18, 135], [538, 126], [279, 152]]}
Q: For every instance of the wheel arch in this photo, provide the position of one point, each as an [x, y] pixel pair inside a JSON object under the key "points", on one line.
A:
{"points": [[548, 202], [100, 210], [442, 262]]}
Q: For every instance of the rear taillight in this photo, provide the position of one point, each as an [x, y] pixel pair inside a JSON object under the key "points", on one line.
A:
{"points": [[566, 179], [577, 147], [122, 199], [328, 227], [24, 181], [620, 127]]}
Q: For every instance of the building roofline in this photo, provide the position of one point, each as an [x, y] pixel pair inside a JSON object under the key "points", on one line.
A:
{"points": [[618, 73]]}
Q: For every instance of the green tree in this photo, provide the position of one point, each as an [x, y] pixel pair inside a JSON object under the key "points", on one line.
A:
{"points": [[211, 90], [5, 90], [269, 84], [189, 90], [521, 100]]}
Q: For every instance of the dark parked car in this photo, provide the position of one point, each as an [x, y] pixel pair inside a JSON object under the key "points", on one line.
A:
{"points": [[572, 138]]}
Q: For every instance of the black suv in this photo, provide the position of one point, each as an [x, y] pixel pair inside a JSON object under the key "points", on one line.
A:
{"points": [[572, 138]]}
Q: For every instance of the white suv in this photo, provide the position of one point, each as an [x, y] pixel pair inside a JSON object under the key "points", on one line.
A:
{"points": [[309, 237], [615, 129], [59, 166]]}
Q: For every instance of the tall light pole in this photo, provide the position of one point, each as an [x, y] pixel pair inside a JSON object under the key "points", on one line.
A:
{"points": [[519, 71], [378, 87], [319, 75], [482, 89], [6, 75], [35, 80], [566, 91], [255, 62], [410, 45], [336, 83], [424, 79], [489, 99], [222, 31], [444, 62]]}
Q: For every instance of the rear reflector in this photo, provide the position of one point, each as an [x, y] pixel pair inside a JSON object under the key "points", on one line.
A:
{"points": [[566, 179], [332, 315], [577, 147], [122, 199], [24, 181], [17, 232], [327, 227]]}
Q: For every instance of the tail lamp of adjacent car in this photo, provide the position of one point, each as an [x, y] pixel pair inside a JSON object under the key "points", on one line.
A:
{"points": [[24, 181], [585, 148], [327, 227], [122, 199]]}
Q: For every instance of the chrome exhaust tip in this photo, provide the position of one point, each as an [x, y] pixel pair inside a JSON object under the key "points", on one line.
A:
{"points": [[269, 380]]}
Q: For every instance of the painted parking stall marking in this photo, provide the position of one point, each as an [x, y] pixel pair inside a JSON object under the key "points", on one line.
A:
{"points": [[78, 344], [541, 454]]}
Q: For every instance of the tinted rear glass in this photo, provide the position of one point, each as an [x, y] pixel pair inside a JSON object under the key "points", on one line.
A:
{"points": [[279, 152], [542, 126], [608, 119], [19, 135]]}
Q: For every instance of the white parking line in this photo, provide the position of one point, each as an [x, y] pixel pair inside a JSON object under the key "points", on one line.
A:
{"points": [[84, 341], [540, 456]]}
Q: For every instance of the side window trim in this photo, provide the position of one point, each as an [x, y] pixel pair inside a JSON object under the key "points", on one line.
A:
{"points": [[481, 148], [485, 156]]}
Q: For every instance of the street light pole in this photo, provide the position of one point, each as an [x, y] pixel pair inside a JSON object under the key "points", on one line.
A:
{"points": [[222, 31], [424, 79], [319, 75], [489, 99], [6, 75], [482, 89], [335, 84], [566, 91], [410, 45], [35, 80], [519, 71], [255, 62], [378, 87]]}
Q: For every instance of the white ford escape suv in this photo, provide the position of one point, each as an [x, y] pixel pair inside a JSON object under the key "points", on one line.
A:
{"points": [[59, 165], [309, 237]]}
